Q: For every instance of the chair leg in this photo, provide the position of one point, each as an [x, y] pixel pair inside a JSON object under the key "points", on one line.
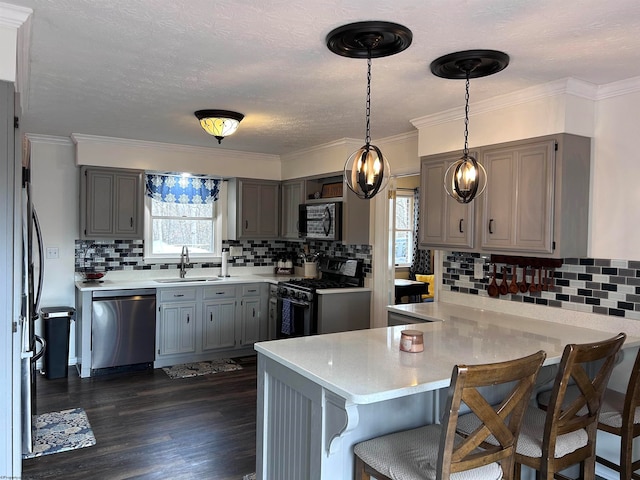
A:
{"points": [[360, 473], [626, 460], [517, 470], [588, 468]]}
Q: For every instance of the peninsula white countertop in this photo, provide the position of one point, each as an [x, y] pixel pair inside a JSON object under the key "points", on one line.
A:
{"points": [[367, 366]]}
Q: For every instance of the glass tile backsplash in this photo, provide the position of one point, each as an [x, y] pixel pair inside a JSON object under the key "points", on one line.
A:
{"points": [[592, 285], [129, 254]]}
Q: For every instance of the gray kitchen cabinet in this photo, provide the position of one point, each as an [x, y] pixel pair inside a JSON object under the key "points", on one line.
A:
{"points": [[219, 322], [219, 325], [111, 203], [444, 222], [536, 201], [537, 196], [253, 324], [177, 329], [293, 194], [254, 209]]}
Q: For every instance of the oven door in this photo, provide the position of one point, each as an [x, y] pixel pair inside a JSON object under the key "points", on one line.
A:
{"points": [[296, 318]]}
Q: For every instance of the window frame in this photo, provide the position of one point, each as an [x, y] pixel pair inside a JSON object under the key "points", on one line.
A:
{"points": [[412, 230], [219, 230]]}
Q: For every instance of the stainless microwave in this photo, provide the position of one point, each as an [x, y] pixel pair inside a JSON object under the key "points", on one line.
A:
{"points": [[321, 221]]}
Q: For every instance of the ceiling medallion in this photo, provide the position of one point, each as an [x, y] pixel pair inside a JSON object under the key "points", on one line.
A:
{"points": [[366, 171]]}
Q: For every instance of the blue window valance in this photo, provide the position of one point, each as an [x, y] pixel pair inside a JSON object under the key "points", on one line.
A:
{"points": [[179, 189]]}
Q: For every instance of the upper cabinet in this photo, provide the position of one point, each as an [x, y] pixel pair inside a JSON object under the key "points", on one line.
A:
{"points": [[254, 209], [293, 193], [443, 221], [111, 203], [536, 201]]}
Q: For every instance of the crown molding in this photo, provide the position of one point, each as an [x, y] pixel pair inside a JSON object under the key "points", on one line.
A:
{"points": [[615, 89], [49, 139], [79, 138], [343, 142], [13, 16]]}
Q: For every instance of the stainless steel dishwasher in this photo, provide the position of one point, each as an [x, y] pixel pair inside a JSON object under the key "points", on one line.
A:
{"points": [[123, 327]]}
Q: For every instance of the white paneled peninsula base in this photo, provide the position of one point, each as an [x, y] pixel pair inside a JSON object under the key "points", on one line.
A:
{"points": [[320, 395]]}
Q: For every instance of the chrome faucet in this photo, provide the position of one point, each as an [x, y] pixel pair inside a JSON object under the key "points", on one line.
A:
{"points": [[184, 260]]}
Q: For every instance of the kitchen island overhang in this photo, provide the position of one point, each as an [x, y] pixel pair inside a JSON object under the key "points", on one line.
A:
{"points": [[320, 395]]}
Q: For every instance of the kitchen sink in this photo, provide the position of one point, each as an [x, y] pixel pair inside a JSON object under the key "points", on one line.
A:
{"points": [[187, 280]]}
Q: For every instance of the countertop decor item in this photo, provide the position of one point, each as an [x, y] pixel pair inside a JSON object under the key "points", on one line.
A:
{"points": [[412, 341], [219, 123], [366, 171], [465, 179]]}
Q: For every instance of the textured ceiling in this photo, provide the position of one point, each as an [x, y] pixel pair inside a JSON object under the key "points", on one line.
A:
{"points": [[139, 69]]}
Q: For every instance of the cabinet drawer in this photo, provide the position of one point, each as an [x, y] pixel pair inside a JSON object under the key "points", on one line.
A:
{"points": [[177, 294], [219, 292], [251, 290]]}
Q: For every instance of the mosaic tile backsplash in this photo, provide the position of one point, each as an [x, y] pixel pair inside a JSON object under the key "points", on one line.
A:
{"points": [[602, 286], [129, 254]]}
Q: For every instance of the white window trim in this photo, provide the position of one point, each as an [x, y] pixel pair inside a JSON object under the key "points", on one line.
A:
{"points": [[412, 230], [220, 232]]}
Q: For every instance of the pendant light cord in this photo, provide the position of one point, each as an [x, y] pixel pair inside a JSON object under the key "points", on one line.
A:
{"points": [[466, 117], [367, 113]]}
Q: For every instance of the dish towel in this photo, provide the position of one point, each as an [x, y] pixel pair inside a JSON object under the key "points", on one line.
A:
{"points": [[286, 317]]}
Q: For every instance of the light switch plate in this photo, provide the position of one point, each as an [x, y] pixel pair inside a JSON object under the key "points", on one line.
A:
{"points": [[235, 251], [478, 268]]}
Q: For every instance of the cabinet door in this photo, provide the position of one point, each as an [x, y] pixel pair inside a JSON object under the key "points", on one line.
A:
{"points": [[250, 210], [177, 329], [250, 328], [127, 200], [269, 211], [292, 197], [99, 203], [518, 206], [443, 221], [219, 325]]}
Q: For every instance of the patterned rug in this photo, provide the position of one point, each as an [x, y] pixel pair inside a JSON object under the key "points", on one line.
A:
{"points": [[61, 431], [187, 370]]}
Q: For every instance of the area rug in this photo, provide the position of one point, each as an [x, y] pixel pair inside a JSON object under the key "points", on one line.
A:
{"points": [[61, 431], [187, 370], [251, 476]]}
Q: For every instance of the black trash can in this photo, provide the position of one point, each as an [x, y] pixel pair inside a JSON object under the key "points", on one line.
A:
{"points": [[57, 322]]}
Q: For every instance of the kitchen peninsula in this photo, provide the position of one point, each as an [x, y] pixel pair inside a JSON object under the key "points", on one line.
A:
{"points": [[320, 395]]}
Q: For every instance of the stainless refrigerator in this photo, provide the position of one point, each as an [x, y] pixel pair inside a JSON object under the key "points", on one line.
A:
{"points": [[33, 346]]}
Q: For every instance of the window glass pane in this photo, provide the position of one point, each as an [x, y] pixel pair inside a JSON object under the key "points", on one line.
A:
{"points": [[403, 247], [169, 235], [403, 213], [164, 209]]}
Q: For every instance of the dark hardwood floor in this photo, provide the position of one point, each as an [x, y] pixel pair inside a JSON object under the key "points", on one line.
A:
{"points": [[148, 426]]}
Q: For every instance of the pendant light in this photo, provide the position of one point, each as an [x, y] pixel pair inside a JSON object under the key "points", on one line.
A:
{"points": [[465, 179], [219, 123], [366, 171]]}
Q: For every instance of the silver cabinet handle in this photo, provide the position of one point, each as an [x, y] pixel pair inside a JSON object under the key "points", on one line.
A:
{"points": [[177, 295]]}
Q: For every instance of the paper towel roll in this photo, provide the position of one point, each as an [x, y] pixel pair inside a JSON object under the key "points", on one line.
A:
{"points": [[225, 264]]}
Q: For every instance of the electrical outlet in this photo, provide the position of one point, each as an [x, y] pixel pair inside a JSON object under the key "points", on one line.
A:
{"points": [[235, 251], [53, 252], [478, 268]]}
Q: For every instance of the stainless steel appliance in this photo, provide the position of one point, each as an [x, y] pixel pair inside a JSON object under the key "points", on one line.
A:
{"points": [[33, 264], [298, 299], [321, 221], [123, 328]]}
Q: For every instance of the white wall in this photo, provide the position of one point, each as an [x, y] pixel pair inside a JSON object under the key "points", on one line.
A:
{"points": [[54, 177]]}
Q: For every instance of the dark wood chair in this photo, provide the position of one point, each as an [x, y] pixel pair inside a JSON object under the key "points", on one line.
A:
{"points": [[437, 452], [619, 415], [565, 434]]}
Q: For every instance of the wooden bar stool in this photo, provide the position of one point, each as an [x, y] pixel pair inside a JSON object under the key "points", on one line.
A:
{"points": [[619, 415], [436, 452], [565, 435]]}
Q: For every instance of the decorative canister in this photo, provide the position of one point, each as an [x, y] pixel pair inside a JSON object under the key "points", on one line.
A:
{"points": [[411, 341], [310, 269]]}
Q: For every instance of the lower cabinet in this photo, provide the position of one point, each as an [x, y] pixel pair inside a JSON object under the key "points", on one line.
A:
{"points": [[205, 322]]}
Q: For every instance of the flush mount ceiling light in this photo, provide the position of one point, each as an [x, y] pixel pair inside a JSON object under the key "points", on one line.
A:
{"points": [[466, 179], [219, 123], [366, 171]]}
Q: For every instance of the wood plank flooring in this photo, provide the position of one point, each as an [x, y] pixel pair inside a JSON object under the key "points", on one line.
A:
{"points": [[148, 426]]}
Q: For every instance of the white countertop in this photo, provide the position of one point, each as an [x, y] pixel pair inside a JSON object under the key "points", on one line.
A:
{"points": [[367, 366]]}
